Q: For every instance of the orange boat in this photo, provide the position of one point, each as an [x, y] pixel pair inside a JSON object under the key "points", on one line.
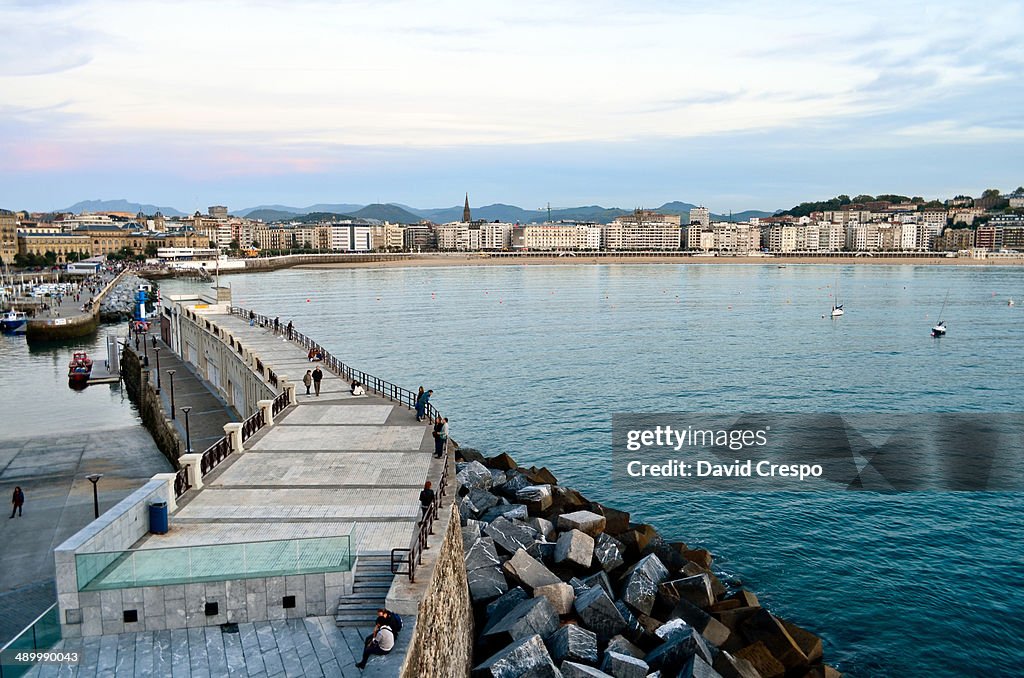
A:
{"points": [[80, 368]]}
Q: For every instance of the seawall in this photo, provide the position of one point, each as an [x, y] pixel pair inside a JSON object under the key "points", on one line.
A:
{"points": [[79, 325], [144, 395]]}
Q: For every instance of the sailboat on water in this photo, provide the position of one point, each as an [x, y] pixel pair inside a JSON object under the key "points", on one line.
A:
{"points": [[837, 308], [939, 330]]}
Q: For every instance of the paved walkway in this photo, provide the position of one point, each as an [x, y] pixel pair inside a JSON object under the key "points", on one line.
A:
{"points": [[51, 469], [335, 464], [295, 648], [209, 411]]}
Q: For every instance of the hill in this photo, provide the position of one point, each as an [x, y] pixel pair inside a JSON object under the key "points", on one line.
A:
{"points": [[340, 208], [392, 213], [268, 215], [121, 205]]}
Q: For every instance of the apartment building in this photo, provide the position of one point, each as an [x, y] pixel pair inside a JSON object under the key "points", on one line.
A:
{"points": [[643, 230], [558, 236], [8, 236], [350, 237]]}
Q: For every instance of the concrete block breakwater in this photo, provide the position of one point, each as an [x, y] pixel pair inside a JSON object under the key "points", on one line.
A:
{"points": [[565, 586]]}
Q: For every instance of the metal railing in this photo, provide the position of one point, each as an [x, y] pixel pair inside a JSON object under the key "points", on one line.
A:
{"points": [[386, 389], [42, 634], [212, 562], [181, 484], [406, 560], [281, 403], [214, 455], [251, 425]]}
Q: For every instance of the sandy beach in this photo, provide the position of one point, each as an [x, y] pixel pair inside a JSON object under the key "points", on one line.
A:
{"points": [[476, 259]]}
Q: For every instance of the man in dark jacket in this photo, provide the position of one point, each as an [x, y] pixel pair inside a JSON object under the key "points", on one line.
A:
{"points": [[318, 376]]}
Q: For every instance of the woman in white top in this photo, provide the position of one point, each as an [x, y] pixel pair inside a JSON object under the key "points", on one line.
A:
{"points": [[357, 389]]}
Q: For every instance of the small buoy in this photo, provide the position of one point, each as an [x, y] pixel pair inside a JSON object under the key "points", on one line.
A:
{"points": [[307, 301], [378, 298]]}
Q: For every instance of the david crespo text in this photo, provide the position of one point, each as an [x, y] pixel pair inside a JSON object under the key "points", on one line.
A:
{"points": [[707, 469]]}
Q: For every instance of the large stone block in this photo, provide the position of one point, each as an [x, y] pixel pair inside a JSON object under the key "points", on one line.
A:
{"points": [[637, 538], [696, 590], [623, 666], [729, 666], [702, 669], [497, 609], [640, 583], [622, 645], [507, 511], [560, 595], [482, 554], [677, 628], [763, 627], [532, 616], [568, 500], [502, 462], [542, 550], [516, 481], [474, 474], [529, 571], [483, 500], [510, 536], [575, 547], [616, 521], [674, 655], [761, 658], [470, 533], [598, 613], [808, 642], [544, 526], [526, 658], [498, 478], [600, 579], [541, 476], [634, 629], [734, 617], [574, 670], [714, 631], [608, 552], [573, 643], [534, 493], [585, 521], [486, 583]]}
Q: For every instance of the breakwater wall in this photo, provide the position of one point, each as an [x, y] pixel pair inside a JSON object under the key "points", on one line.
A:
{"points": [[72, 327], [289, 260], [142, 392], [563, 584]]}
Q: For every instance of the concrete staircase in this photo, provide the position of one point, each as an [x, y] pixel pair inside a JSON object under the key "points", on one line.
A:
{"points": [[370, 584]]}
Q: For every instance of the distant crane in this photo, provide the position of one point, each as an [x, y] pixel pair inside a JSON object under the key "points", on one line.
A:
{"points": [[548, 208]]}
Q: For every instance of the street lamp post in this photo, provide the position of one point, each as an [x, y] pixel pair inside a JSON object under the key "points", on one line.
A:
{"points": [[145, 346], [170, 375], [188, 435], [95, 478], [156, 350]]}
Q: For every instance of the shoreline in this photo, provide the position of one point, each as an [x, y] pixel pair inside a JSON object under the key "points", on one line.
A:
{"points": [[451, 260]]}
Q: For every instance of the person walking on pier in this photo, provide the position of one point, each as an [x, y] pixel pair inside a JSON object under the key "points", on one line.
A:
{"points": [[18, 499], [277, 325], [317, 377], [307, 380], [289, 328]]}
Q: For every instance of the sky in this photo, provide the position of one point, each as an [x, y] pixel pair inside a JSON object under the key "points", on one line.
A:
{"points": [[733, 105]]}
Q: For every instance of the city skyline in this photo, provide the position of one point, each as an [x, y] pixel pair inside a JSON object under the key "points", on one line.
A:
{"points": [[738, 107]]}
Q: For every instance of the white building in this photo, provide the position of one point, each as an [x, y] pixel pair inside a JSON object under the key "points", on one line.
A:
{"points": [[631, 235], [560, 236], [351, 237], [701, 215]]}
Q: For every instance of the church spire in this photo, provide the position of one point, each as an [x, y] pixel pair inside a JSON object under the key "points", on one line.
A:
{"points": [[465, 211]]}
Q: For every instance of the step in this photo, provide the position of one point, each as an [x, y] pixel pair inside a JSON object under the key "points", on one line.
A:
{"points": [[357, 600], [381, 588], [372, 577]]}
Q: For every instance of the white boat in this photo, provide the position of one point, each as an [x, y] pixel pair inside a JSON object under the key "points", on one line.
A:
{"points": [[13, 322], [837, 308], [939, 329]]}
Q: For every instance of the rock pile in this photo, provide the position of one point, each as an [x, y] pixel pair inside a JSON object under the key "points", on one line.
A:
{"points": [[563, 586], [119, 303]]}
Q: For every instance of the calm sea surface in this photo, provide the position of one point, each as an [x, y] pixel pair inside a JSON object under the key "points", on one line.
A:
{"points": [[534, 360]]}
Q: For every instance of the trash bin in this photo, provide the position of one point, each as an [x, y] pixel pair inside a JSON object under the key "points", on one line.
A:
{"points": [[158, 517]]}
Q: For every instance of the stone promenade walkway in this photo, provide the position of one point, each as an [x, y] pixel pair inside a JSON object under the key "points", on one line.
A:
{"points": [[334, 464]]}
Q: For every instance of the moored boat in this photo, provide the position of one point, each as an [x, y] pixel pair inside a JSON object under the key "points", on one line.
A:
{"points": [[13, 322], [80, 368]]}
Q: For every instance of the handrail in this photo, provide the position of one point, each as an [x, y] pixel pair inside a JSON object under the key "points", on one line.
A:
{"points": [[181, 484], [215, 454], [252, 424], [386, 389], [281, 403], [30, 625]]}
